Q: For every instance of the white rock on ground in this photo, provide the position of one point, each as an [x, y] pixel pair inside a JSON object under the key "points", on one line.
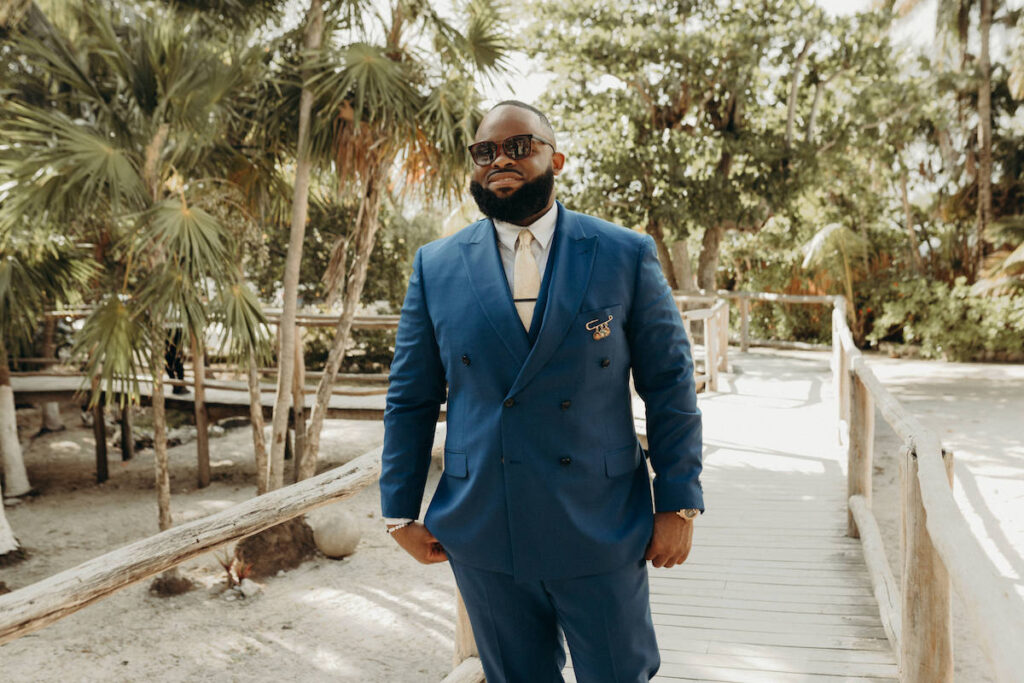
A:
{"points": [[249, 588], [335, 530]]}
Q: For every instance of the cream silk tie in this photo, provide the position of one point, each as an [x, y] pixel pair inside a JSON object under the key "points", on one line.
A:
{"points": [[526, 278]]}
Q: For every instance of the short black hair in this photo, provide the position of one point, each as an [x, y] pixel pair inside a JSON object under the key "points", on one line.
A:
{"points": [[528, 107]]}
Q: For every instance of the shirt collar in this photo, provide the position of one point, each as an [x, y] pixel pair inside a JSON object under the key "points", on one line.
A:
{"points": [[542, 228]]}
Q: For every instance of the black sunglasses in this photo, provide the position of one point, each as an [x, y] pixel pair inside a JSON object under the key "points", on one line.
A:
{"points": [[516, 147]]}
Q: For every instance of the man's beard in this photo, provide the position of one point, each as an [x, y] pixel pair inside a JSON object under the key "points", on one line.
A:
{"points": [[528, 200]]}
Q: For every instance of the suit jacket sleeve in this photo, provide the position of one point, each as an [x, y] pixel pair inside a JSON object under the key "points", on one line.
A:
{"points": [[415, 393], [663, 375]]}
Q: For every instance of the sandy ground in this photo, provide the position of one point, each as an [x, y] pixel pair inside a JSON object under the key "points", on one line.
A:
{"points": [[978, 412], [375, 616], [378, 615]]}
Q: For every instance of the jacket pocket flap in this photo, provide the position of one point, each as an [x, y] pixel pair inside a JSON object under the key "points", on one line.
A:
{"points": [[622, 460], [455, 464]]}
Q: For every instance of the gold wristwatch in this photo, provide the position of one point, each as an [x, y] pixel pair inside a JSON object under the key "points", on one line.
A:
{"points": [[689, 514]]}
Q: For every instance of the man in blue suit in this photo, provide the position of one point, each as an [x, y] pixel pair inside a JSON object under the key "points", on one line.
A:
{"points": [[529, 322]]}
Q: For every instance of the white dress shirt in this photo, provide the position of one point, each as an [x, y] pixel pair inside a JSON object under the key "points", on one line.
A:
{"points": [[543, 230]]}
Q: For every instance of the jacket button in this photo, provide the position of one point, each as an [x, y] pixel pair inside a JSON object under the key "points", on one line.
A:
{"points": [[509, 402], [565, 461], [465, 360], [605, 362], [566, 404]]}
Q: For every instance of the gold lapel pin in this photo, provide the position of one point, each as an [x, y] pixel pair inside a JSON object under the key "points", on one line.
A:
{"points": [[600, 329]]}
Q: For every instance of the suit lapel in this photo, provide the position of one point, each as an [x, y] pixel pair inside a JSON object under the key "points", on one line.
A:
{"points": [[574, 260], [487, 278]]}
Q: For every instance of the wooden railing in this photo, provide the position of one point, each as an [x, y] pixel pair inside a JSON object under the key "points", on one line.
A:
{"points": [[744, 299], [715, 335], [937, 547]]}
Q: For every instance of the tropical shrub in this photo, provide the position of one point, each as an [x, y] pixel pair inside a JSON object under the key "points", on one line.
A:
{"points": [[949, 322]]}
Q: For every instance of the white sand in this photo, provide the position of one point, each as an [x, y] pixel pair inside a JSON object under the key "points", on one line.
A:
{"points": [[376, 616]]}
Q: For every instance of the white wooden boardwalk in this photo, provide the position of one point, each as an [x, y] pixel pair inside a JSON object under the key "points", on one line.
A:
{"points": [[773, 590]]}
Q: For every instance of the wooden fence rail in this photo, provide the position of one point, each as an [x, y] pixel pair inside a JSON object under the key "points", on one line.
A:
{"points": [[938, 548], [32, 607], [744, 298], [716, 337]]}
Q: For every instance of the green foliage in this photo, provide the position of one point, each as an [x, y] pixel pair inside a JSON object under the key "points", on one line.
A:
{"points": [[114, 123], [369, 350], [36, 272], [950, 323], [709, 116], [329, 222]]}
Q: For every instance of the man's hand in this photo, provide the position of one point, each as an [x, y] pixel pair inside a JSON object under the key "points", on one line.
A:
{"points": [[671, 540], [420, 543]]}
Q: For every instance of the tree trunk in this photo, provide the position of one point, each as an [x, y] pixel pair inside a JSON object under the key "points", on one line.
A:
{"points": [[300, 205], [15, 476], [794, 88], [655, 230], [364, 238], [51, 409], [908, 217], [256, 418], [707, 264], [161, 474], [199, 408], [299, 408], [681, 265], [8, 543], [984, 136]]}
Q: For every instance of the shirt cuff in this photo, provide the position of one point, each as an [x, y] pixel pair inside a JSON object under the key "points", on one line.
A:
{"points": [[397, 520]]}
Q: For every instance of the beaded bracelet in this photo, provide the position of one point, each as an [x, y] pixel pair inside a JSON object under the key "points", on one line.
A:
{"points": [[395, 528]]}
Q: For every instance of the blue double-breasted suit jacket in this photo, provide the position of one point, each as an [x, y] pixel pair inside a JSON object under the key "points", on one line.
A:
{"points": [[543, 475]]}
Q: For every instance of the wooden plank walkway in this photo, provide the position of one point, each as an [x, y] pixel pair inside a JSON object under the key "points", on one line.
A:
{"points": [[773, 590]]}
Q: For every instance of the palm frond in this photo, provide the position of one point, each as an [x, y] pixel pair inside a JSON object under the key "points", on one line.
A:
{"points": [[368, 81], [189, 238], [831, 242], [62, 167], [1007, 230], [115, 343], [36, 272], [246, 329], [486, 36]]}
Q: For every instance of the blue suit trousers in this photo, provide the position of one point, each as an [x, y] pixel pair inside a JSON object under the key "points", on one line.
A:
{"points": [[519, 625]]}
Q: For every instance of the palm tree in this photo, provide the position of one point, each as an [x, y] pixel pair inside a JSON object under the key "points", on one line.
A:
{"points": [[35, 269], [117, 136], [396, 106], [314, 29], [953, 21]]}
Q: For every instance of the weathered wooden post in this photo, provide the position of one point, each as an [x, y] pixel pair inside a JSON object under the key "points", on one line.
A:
{"points": [[99, 433], [202, 419], [840, 371], [299, 404], [723, 335], [127, 439], [926, 645], [860, 449], [711, 352], [465, 643], [744, 323]]}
